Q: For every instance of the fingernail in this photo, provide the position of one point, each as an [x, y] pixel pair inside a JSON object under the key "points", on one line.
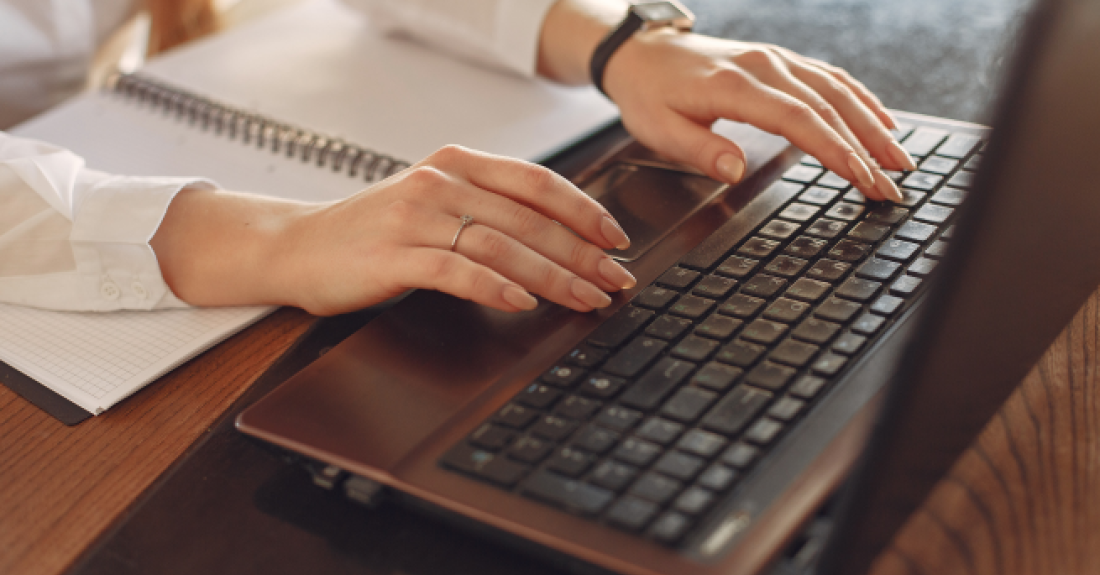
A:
{"points": [[519, 297], [589, 294], [899, 155], [613, 233], [731, 168], [893, 122], [615, 274], [862, 172], [886, 186]]}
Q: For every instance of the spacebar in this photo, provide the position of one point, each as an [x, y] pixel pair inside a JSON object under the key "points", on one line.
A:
{"points": [[566, 492]]}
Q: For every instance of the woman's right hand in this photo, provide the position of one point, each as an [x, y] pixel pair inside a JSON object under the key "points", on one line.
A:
{"points": [[397, 235]]}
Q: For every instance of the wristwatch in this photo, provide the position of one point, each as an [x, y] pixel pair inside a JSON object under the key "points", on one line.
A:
{"points": [[641, 16]]}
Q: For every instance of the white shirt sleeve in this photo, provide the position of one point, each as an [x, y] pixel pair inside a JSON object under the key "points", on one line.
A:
{"points": [[77, 239], [500, 33]]}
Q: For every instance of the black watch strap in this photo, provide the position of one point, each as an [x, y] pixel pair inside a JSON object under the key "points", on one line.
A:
{"points": [[639, 15]]}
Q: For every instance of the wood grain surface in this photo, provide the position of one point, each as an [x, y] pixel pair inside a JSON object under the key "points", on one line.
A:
{"points": [[61, 487]]}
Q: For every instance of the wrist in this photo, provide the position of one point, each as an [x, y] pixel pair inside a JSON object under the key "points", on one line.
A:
{"points": [[640, 18]]}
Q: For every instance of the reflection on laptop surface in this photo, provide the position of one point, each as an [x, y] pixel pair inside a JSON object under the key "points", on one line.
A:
{"points": [[700, 426]]}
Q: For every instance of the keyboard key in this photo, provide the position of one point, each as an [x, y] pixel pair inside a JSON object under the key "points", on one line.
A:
{"points": [[637, 452], [799, 212], [668, 327], [553, 427], [849, 344], [530, 449], [714, 287], [786, 310], [809, 160], [718, 326], [826, 228], [818, 196], [877, 269], [763, 285], [911, 197], [938, 249], [566, 492], [808, 290], [786, 409], [484, 464], [695, 348], [619, 327], [963, 180], [757, 247], [515, 416], [786, 266], [807, 386], [888, 214], [655, 487], [915, 231], [831, 180], [828, 270], [829, 364], [922, 267], [669, 527], [887, 305], [570, 462], [602, 386], [778, 229], [933, 213], [905, 285], [770, 375], [492, 437], [716, 376], [679, 465], [815, 331], [846, 211], [613, 475], [742, 306], [736, 409], [678, 278], [740, 455], [869, 232], [585, 355], [563, 376], [802, 174], [837, 310], [949, 196], [849, 251], [958, 146], [922, 181], [973, 162], [740, 353], [938, 165], [763, 431], [692, 307], [868, 324], [595, 439], [631, 513], [702, 443], [763, 331], [633, 358], [805, 247], [858, 289], [923, 141], [688, 404], [793, 353], [693, 501], [717, 477], [660, 431], [658, 382], [618, 418], [654, 297], [855, 197], [899, 250], [538, 396], [737, 267]]}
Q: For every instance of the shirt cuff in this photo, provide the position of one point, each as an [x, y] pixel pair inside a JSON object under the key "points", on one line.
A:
{"points": [[519, 28]]}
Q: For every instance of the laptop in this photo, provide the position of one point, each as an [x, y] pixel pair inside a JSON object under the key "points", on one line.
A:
{"points": [[793, 374]]}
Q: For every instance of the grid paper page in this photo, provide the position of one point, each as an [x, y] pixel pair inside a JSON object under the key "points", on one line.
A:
{"points": [[96, 359]]}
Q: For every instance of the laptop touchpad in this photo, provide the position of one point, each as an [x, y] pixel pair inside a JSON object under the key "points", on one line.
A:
{"points": [[649, 202]]}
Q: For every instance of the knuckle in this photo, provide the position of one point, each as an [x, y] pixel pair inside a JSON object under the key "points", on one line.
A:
{"points": [[582, 255], [425, 178], [495, 246], [398, 215], [528, 222], [757, 57], [449, 154], [797, 112], [730, 80], [537, 178]]}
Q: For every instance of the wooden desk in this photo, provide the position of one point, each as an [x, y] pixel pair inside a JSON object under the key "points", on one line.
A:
{"points": [[1024, 499]]}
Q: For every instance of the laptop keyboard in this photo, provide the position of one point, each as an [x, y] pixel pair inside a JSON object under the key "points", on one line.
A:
{"points": [[670, 402]]}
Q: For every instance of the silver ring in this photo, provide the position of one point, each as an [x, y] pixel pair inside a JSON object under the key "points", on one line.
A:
{"points": [[464, 221]]}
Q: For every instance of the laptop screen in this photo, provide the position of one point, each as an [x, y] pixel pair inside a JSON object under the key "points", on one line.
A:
{"points": [[1025, 257]]}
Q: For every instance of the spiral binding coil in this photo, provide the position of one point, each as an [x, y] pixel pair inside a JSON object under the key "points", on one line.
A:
{"points": [[252, 128]]}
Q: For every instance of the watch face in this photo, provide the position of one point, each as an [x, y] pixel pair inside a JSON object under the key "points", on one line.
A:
{"points": [[660, 12]]}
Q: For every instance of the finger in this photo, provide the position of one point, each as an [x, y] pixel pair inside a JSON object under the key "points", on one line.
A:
{"points": [[687, 142], [537, 187], [529, 269], [862, 120], [862, 92], [430, 268], [745, 98]]}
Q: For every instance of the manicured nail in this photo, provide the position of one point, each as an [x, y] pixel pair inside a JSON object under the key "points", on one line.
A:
{"points": [[900, 156], [888, 188], [615, 274], [892, 122], [519, 297], [861, 171], [731, 168], [589, 294], [613, 233]]}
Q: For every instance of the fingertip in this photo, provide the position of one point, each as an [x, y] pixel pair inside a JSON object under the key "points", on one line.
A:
{"points": [[613, 233], [730, 167], [519, 297], [860, 172]]}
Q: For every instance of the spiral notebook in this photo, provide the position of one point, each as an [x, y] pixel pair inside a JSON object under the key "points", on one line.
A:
{"points": [[309, 103]]}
